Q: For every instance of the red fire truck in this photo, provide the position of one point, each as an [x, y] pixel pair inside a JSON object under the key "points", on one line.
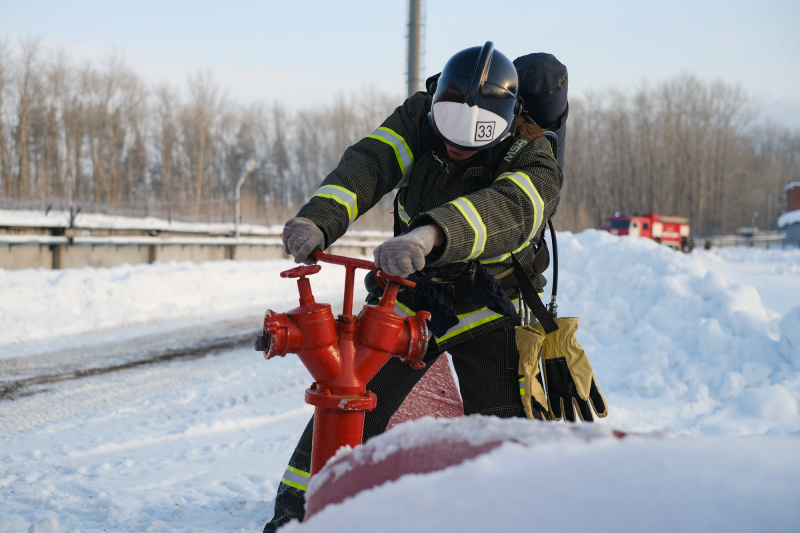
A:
{"points": [[665, 229]]}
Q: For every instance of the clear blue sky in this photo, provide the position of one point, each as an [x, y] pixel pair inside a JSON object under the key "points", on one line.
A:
{"points": [[302, 52]]}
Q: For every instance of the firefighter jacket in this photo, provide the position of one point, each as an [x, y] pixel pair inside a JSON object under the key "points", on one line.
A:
{"points": [[485, 218]]}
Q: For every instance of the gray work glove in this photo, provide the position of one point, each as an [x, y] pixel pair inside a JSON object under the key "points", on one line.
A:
{"points": [[300, 238], [405, 254]]}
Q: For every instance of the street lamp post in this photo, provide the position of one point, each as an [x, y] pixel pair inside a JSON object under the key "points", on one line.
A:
{"points": [[248, 168], [233, 249]]}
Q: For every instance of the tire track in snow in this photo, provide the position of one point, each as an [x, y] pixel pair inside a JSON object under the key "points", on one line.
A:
{"points": [[107, 394], [22, 376]]}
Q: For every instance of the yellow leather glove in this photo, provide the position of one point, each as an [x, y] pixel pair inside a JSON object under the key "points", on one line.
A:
{"points": [[529, 343], [568, 375]]}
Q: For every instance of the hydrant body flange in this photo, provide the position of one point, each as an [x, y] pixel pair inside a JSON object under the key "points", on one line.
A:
{"points": [[342, 354]]}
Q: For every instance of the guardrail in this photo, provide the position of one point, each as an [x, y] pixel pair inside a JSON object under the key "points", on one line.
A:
{"points": [[57, 252], [766, 239], [56, 240]]}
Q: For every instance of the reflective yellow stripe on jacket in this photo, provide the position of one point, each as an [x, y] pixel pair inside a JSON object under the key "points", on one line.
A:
{"points": [[501, 258], [475, 221], [401, 151], [347, 198], [523, 181], [466, 321]]}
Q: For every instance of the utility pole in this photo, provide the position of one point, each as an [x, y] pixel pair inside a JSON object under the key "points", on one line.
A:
{"points": [[414, 44]]}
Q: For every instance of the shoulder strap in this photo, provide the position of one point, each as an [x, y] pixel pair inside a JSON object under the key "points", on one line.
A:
{"points": [[524, 132], [531, 298]]}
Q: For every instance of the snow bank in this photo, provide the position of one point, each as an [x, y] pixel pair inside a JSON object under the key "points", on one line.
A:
{"points": [[665, 335], [789, 218], [561, 478]]}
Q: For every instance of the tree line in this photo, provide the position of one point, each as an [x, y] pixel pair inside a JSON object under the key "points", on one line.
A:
{"points": [[683, 147], [96, 137]]}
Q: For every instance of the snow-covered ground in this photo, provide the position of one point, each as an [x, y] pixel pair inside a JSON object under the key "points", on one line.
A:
{"points": [[698, 356]]}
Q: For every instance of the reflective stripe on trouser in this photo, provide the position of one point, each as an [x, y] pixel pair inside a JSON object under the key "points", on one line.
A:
{"points": [[487, 378], [290, 502], [294, 477]]}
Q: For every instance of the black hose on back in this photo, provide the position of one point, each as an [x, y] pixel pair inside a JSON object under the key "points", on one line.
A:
{"points": [[552, 308]]}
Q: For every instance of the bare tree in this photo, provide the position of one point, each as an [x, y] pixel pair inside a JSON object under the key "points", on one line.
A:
{"points": [[291, 190], [169, 178], [54, 152], [104, 125], [134, 109], [5, 157], [76, 126], [28, 88], [199, 118]]}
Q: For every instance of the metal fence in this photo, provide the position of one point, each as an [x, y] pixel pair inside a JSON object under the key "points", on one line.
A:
{"points": [[75, 241], [208, 211], [765, 239]]}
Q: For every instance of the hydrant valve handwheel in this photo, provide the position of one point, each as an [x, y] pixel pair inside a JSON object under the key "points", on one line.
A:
{"points": [[299, 272]]}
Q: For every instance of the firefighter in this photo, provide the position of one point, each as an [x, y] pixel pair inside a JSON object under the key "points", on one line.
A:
{"points": [[457, 224]]}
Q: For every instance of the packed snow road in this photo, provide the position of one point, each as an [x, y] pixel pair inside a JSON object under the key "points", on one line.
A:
{"points": [[211, 420]]}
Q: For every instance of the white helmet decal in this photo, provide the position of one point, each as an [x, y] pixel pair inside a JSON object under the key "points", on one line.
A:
{"points": [[467, 126]]}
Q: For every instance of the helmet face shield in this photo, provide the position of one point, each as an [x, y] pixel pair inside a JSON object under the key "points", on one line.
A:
{"points": [[475, 100], [467, 127]]}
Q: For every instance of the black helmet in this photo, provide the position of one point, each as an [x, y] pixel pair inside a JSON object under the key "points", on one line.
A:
{"points": [[474, 98]]}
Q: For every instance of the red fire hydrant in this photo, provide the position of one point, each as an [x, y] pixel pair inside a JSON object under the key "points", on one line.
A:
{"points": [[343, 355]]}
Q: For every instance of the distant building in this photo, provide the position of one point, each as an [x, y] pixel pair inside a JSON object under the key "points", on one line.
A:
{"points": [[789, 221]]}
